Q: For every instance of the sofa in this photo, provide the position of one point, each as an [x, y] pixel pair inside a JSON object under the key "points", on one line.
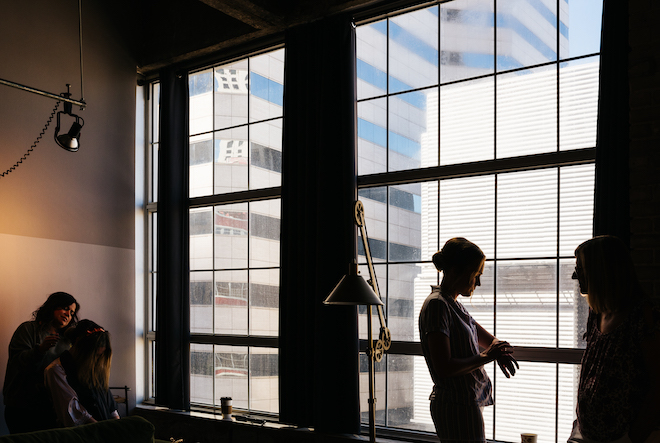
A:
{"points": [[132, 429]]}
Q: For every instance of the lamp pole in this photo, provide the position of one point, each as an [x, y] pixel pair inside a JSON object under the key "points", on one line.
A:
{"points": [[372, 380]]}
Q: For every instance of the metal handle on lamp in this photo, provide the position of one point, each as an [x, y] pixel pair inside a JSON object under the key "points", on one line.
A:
{"points": [[384, 338]]}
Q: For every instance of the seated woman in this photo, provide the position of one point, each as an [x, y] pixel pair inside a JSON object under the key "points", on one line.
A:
{"points": [[78, 381]]}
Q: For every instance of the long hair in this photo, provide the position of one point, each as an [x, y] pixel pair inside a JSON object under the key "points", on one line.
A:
{"points": [[460, 256], [93, 367], [609, 273], [44, 314]]}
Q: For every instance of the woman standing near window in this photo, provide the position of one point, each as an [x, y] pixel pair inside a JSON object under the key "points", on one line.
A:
{"points": [[451, 342], [619, 388], [34, 345]]}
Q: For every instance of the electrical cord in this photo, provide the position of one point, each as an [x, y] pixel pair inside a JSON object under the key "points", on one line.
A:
{"points": [[34, 145]]}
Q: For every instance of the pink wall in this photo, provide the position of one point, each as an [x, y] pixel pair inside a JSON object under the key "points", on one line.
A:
{"points": [[67, 220]]}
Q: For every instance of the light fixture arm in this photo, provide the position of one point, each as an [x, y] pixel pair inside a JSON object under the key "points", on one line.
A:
{"points": [[57, 97], [384, 339], [375, 349]]}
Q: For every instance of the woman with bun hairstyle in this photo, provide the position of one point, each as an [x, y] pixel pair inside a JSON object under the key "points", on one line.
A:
{"points": [[456, 347], [79, 380], [34, 345]]}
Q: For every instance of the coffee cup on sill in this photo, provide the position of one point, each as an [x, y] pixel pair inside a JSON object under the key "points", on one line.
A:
{"points": [[225, 407]]}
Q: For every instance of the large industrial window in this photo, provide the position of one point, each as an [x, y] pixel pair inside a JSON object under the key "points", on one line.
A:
{"points": [[477, 118], [235, 154]]}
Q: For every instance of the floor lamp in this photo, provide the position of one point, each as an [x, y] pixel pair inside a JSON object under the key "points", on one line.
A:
{"points": [[352, 289]]}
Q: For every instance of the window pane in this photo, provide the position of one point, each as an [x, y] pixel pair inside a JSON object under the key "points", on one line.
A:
{"points": [[379, 370], [481, 305], [578, 103], [580, 27], [527, 112], [201, 373], [372, 136], [231, 375], [231, 236], [264, 302], [155, 112], [231, 301], [527, 214], [569, 376], [201, 238], [231, 160], [266, 154], [467, 209], [231, 95], [406, 285], [526, 33], [266, 85], [404, 223], [153, 226], [430, 219], [371, 60], [200, 155], [375, 214], [264, 389], [201, 302], [573, 308], [467, 121], [154, 172], [413, 50], [467, 39], [407, 125], [154, 297], [265, 233], [527, 302], [400, 392], [200, 91], [576, 203], [527, 402], [421, 387]]}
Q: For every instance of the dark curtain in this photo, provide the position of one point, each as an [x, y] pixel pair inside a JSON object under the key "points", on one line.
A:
{"points": [[318, 370], [612, 200], [172, 306]]}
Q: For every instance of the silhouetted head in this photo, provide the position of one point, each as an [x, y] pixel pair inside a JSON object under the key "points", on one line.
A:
{"points": [[60, 309], [91, 352], [462, 263], [606, 274]]}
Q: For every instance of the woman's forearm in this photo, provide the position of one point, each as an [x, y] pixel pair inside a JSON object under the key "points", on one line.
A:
{"points": [[460, 366]]}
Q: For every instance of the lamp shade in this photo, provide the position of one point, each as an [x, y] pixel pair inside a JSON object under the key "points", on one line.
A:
{"points": [[352, 289]]}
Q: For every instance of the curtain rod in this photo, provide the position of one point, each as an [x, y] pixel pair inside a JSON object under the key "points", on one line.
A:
{"points": [[80, 103]]}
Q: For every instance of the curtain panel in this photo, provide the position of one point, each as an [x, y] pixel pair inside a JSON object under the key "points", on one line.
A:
{"points": [[318, 363], [172, 307], [612, 192]]}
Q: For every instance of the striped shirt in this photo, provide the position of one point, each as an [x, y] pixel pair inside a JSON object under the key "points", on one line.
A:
{"points": [[446, 315]]}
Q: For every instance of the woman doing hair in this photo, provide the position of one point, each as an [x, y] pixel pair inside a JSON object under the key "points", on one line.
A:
{"points": [[44, 314]]}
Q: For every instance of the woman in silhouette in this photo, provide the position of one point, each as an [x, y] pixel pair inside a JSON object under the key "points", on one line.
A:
{"points": [[619, 388], [456, 347], [34, 345], [79, 380]]}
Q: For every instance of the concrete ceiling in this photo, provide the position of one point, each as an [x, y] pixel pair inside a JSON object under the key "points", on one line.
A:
{"points": [[165, 32]]}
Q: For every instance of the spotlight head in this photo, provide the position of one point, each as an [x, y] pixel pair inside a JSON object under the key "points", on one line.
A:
{"points": [[71, 140]]}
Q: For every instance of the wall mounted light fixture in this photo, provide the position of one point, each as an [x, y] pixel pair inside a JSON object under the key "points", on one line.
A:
{"points": [[71, 140]]}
